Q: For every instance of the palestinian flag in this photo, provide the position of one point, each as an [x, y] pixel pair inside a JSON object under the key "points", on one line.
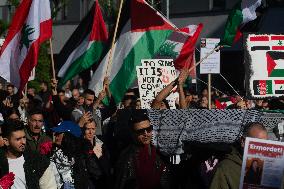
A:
{"points": [[85, 46], [223, 103], [262, 87], [31, 25], [142, 32], [243, 13], [275, 63]]}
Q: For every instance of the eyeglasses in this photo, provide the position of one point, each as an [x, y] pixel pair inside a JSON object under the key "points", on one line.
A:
{"points": [[142, 131]]}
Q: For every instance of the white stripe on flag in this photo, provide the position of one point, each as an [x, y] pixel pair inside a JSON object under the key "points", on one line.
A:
{"points": [[13, 57], [79, 51], [7, 57], [121, 49], [248, 10]]}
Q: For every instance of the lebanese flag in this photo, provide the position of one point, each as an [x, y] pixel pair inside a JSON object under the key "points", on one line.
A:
{"points": [[180, 46], [31, 25], [186, 58], [277, 42]]}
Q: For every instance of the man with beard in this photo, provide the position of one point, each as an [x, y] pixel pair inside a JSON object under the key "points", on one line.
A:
{"points": [[140, 165], [29, 169], [34, 134]]}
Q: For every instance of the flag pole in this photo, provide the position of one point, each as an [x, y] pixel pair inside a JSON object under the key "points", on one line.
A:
{"points": [[109, 64], [200, 61], [52, 59], [209, 75], [26, 90], [209, 91]]}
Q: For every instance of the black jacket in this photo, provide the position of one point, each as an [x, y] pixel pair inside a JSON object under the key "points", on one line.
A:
{"points": [[34, 167], [126, 170]]}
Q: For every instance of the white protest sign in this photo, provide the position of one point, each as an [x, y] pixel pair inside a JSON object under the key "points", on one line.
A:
{"points": [[210, 65], [263, 164], [157, 62], [153, 76], [264, 63]]}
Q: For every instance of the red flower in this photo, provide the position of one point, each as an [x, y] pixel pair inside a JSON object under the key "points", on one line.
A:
{"points": [[45, 148], [7, 181]]}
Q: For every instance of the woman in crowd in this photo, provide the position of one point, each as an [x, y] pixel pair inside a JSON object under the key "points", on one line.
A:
{"points": [[68, 157], [98, 161]]}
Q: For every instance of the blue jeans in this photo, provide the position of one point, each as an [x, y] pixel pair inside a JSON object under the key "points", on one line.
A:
{"points": [[68, 185]]}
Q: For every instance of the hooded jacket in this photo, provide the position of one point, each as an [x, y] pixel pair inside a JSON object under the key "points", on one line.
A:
{"points": [[228, 172]]}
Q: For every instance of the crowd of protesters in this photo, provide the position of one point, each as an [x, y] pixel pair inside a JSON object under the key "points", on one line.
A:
{"points": [[67, 138]]}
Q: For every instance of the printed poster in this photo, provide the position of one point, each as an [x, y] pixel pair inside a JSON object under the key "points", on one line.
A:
{"points": [[210, 65], [263, 164]]}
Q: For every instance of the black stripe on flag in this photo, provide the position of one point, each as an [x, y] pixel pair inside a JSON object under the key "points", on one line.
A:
{"points": [[263, 48], [276, 55], [279, 91], [83, 29], [256, 87]]}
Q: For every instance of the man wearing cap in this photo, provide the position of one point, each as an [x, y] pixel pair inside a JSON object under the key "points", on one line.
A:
{"points": [[68, 157], [34, 134], [140, 165], [68, 126]]}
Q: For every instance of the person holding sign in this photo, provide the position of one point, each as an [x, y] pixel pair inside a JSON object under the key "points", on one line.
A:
{"points": [[160, 101], [228, 172]]}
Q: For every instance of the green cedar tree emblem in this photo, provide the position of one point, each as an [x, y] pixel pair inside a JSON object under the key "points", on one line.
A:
{"points": [[280, 43], [26, 32], [167, 50]]}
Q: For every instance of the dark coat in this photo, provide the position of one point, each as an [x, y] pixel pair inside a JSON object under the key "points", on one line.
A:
{"points": [[34, 167], [228, 173], [131, 172], [34, 145]]}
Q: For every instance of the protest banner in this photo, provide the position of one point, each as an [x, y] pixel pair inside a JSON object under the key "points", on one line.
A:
{"points": [[263, 164], [153, 76], [264, 61], [211, 65]]}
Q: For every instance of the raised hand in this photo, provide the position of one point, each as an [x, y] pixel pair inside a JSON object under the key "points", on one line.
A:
{"points": [[182, 76]]}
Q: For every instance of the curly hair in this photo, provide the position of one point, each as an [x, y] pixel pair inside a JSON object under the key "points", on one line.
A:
{"points": [[71, 145]]}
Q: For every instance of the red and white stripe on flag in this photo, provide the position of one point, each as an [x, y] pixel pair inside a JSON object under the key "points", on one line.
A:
{"points": [[31, 25], [186, 58]]}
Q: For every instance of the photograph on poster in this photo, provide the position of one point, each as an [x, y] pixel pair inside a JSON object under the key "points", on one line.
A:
{"points": [[254, 171]]}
